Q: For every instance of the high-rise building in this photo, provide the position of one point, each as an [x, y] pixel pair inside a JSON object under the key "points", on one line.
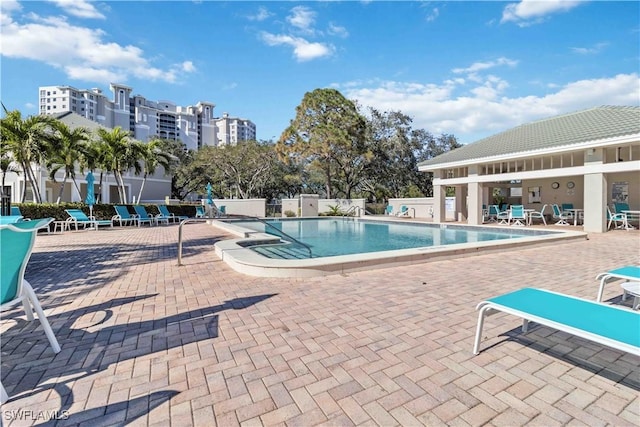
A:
{"points": [[232, 130], [195, 126]]}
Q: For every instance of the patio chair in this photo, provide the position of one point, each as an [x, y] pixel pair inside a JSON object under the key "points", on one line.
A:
{"points": [[389, 210], [77, 217], [633, 289], [143, 216], [200, 213], [618, 219], [17, 241], [560, 216], [590, 320], [502, 216], [517, 215], [123, 216], [566, 206], [538, 215], [628, 272], [164, 211]]}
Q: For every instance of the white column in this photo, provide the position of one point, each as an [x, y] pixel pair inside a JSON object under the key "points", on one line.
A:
{"points": [[439, 193], [595, 194], [475, 203]]}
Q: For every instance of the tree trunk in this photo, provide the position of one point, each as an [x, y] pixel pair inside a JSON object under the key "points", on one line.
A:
{"points": [[144, 180], [64, 181]]}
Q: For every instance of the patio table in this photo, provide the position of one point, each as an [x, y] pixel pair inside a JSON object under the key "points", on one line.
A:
{"points": [[575, 212], [630, 213]]}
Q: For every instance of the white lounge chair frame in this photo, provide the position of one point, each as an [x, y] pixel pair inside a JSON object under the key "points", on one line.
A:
{"points": [[490, 307], [628, 272]]}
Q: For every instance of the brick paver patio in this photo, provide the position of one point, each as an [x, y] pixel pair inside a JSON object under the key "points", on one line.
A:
{"points": [[145, 342]]}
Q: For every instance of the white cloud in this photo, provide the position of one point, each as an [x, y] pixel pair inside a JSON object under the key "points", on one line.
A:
{"points": [[262, 15], [83, 53], [336, 30], [529, 12], [435, 12], [484, 110], [481, 66], [187, 66], [303, 50], [79, 8], [597, 48], [302, 18]]}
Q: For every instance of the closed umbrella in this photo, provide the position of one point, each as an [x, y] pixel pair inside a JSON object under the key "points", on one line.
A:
{"points": [[90, 199], [209, 194]]}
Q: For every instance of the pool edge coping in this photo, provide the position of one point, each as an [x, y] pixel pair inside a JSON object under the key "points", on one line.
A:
{"points": [[244, 260]]}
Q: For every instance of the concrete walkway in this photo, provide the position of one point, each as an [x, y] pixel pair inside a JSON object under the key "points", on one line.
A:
{"points": [[145, 342]]}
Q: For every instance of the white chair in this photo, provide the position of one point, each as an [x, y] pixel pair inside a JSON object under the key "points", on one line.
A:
{"points": [[16, 241], [619, 219], [559, 215], [538, 215]]}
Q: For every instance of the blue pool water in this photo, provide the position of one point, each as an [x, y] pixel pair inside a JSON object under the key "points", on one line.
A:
{"points": [[337, 236]]}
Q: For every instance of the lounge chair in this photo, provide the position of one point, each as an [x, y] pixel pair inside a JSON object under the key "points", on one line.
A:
{"points": [[164, 211], [633, 289], [538, 215], [16, 241], [604, 324], [517, 215], [560, 216], [10, 219], [15, 211], [123, 216], [200, 213], [404, 211], [628, 272], [77, 217], [143, 216], [389, 210]]}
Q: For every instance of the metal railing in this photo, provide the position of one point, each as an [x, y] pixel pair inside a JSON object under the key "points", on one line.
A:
{"points": [[354, 209], [253, 218]]}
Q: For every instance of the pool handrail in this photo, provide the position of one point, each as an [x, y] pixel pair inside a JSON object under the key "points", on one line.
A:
{"points": [[282, 233]]}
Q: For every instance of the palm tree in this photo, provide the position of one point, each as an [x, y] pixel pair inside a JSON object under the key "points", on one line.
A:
{"points": [[153, 156], [65, 151], [26, 139], [121, 154]]}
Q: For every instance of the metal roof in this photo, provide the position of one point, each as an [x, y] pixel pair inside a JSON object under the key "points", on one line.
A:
{"points": [[567, 130]]}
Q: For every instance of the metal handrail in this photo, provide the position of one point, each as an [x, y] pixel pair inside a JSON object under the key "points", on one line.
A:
{"points": [[203, 219], [285, 235], [353, 208]]}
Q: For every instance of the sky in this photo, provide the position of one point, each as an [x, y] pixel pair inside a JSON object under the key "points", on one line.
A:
{"points": [[468, 69]]}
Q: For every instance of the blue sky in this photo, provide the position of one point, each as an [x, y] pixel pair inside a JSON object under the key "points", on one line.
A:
{"points": [[470, 69]]}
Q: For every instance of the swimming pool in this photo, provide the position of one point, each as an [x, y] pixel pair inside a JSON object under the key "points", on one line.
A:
{"points": [[344, 236], [339, 245]]}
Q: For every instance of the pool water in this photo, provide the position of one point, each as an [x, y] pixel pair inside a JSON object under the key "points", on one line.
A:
{"points": [[337, 236]]}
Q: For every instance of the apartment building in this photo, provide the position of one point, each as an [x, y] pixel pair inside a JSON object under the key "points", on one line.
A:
{"points": [[232, 130], [195, 126]]}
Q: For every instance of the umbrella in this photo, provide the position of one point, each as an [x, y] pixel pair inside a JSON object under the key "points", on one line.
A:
{"points": [[209, 194], [91, 199]]}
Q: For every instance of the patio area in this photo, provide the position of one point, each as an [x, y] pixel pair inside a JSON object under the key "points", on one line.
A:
{"points": [[145, 342]]}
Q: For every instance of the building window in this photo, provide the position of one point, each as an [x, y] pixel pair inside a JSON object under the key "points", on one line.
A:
{"points": [[73, 108], [48, 107]]}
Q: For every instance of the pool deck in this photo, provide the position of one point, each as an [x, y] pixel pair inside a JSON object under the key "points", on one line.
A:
{"points": [[148, 343]]}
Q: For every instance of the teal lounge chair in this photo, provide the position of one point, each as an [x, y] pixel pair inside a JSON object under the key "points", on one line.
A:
{"points": [[164, 211], [200, 213], [628, 272], [77, 217], [10, 219], [404, 211], [16, 242], [604, 324], [123, 216], [143, 216], [389, 210]]}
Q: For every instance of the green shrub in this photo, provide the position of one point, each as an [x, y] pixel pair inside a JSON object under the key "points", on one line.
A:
{"points": [[289, 214]]}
